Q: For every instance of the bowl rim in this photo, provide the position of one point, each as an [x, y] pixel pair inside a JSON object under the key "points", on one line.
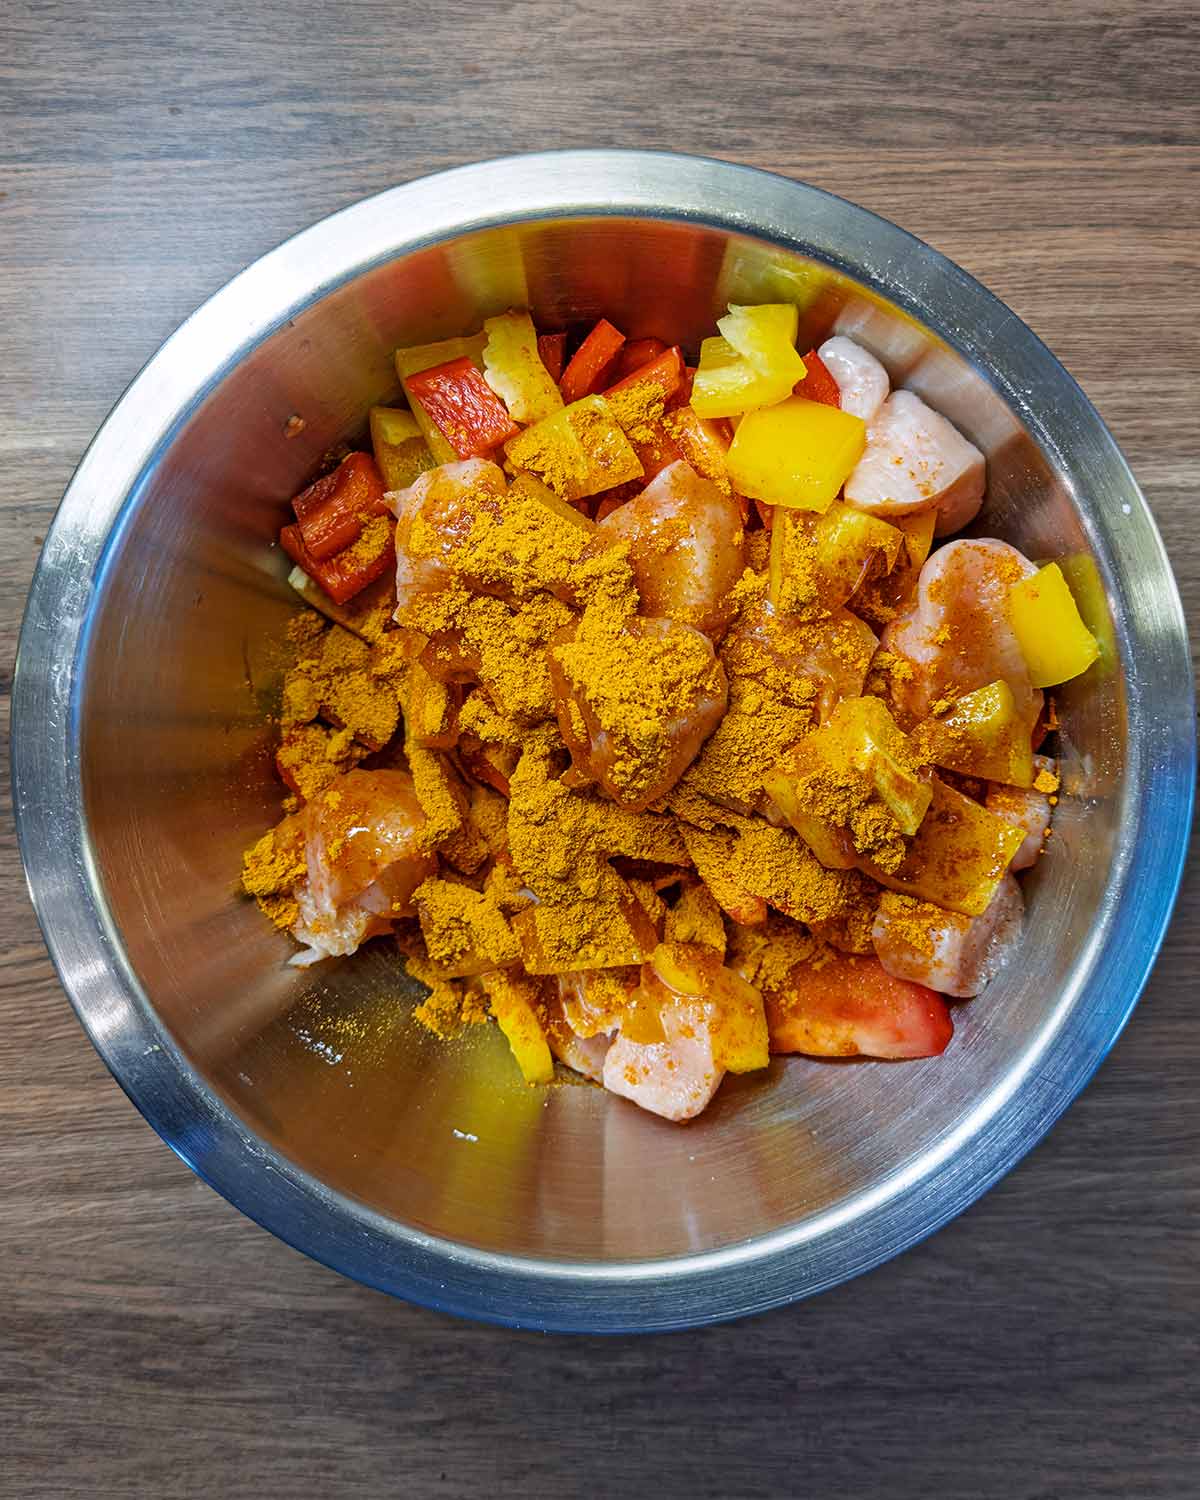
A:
{"points": [[343, 1233]]}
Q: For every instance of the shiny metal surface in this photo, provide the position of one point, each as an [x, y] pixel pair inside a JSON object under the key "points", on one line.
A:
{"points": [[141, 767]]}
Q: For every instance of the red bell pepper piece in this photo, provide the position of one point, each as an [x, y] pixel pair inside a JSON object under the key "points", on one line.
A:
{"points": [[590, 364], [347, 572], [552, 351], [664, 371], [467, 412], [333, 511], [683, 396], [636, 353], [818, 384]]}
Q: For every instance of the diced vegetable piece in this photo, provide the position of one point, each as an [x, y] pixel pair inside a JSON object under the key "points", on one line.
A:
{"points": [[797, 453], [1054, 641], [367, 616], [346, 573], [516, 1003], [463, 407], [425, 357], [818, 561], [332, 512], [588, 369], [818, 384], [959, 856], [918, 533], [849, 788], [726, 384], [514, 369], [665, 371], [636, 353], [738, 1022], [579, 451], [843, 1006], [552, 350], [765, 336], [399, 445], [703, 442], [982, 735]]}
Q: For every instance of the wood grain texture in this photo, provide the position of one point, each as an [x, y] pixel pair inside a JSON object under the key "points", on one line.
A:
{"points": [[155, 1343]]}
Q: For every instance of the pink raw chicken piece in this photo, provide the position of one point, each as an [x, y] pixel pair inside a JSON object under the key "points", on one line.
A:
{"points": [[675, 1078], [967, 951], [862, 381], [1028, 809], [444, 502], [364, 858], [686, 547], [957, 636], [585, 1054], [915, 460]]}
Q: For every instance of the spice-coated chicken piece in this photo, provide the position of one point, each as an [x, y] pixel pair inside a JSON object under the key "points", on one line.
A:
{"points": [[365, 857], [957, 636], [1029, 809], [915, 460], [862, 381], [635, 698], [945, 950], [434, 517], [686, 547]]}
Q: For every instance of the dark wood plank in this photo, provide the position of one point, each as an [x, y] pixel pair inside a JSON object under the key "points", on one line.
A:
{"points": [[155, 1343]]}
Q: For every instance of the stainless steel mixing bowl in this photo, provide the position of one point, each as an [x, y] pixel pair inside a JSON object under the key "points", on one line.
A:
{"points": [[142, 768]]}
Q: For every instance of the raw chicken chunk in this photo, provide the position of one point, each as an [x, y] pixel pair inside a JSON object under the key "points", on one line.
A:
{"points": [[916, 460]]}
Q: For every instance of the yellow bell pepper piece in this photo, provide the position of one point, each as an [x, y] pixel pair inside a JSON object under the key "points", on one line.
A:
{"points": [[1054, 641], [514, 1002], [958, 857], [818, 561], [918, 532], [798, 453], [401, 451], [423, 357], [578, 451], [514, 370], [982, 735], [727, 384], [860, 736], [765, 336]]}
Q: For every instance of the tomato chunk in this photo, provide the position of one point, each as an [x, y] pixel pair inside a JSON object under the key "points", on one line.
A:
{"points": [[818, 384], [332, 512], [463, 407], [588, 370], [845, 1006]]}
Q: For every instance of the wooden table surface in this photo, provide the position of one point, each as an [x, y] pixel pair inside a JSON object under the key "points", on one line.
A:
{"points": [[155, 1343]]}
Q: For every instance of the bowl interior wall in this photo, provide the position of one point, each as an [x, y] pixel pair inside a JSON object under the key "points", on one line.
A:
{"points": [[182, 671]]}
